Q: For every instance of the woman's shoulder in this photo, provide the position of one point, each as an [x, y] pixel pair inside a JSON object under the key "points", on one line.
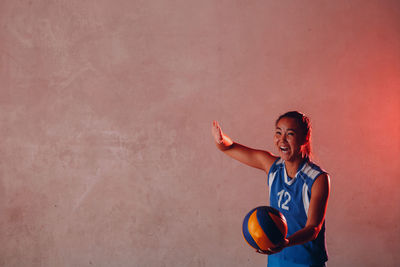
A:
{"points": [[312, 170], [276, 164]]}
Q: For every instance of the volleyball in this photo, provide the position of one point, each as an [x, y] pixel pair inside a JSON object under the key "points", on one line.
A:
{"points": [[264, 227]]}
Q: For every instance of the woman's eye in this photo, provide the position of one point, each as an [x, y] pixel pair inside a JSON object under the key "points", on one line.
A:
{"points": [[291, 134], [278, 133]]}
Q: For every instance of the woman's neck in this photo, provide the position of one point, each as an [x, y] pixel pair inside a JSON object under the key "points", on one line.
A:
{"points": [[292, 166]]}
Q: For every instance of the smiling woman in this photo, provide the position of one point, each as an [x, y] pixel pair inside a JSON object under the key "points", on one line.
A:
{"points": [[298, 188], [298, 128]]}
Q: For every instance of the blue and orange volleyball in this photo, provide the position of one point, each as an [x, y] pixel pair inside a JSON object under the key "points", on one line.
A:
{"points": [[264, 227]]}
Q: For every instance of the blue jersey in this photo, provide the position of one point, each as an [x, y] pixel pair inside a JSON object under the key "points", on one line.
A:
{"points": [[291, 196]]}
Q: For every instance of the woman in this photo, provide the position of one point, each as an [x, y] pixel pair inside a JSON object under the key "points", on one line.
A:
{"points": [[298, 188]]}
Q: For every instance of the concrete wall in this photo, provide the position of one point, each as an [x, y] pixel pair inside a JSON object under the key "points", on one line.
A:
{"points": [[106, 107]]}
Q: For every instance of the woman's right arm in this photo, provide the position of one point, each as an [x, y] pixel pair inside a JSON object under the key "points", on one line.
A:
{"points": [[259, 159]]}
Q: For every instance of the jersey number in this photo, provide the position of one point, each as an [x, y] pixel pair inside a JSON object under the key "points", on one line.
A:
{"points": [[286, 197]]}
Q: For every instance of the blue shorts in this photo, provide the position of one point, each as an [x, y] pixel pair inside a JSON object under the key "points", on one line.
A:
{"points": [[276, 262]]}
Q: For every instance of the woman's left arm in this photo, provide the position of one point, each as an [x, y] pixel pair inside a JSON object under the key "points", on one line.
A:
{"points": [[316, 212]]}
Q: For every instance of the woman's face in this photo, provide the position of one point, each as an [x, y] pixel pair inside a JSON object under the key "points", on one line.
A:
{"points": [[288, 139]]}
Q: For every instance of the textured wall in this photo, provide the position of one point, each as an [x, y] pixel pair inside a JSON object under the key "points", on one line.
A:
{"points": [[106, 107]]}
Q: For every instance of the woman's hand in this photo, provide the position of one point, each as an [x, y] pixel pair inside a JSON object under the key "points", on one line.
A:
{"points": [[217, 133], [223, 141], [276, 249]]}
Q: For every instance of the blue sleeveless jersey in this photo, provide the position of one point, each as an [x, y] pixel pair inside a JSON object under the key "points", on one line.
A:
{"points": [[292, 198]]}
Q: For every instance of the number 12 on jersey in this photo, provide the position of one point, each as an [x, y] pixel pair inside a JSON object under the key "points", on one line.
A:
{"points": [[285, 197]]}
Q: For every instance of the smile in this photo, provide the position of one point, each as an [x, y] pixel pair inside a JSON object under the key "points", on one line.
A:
{"points": [[284, 148]]}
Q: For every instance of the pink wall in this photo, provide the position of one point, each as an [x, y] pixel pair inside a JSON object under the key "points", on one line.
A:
{"points": [[106, 108]]}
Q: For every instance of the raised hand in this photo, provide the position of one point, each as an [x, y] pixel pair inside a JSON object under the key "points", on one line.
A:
{"points": [[217, 133]]}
